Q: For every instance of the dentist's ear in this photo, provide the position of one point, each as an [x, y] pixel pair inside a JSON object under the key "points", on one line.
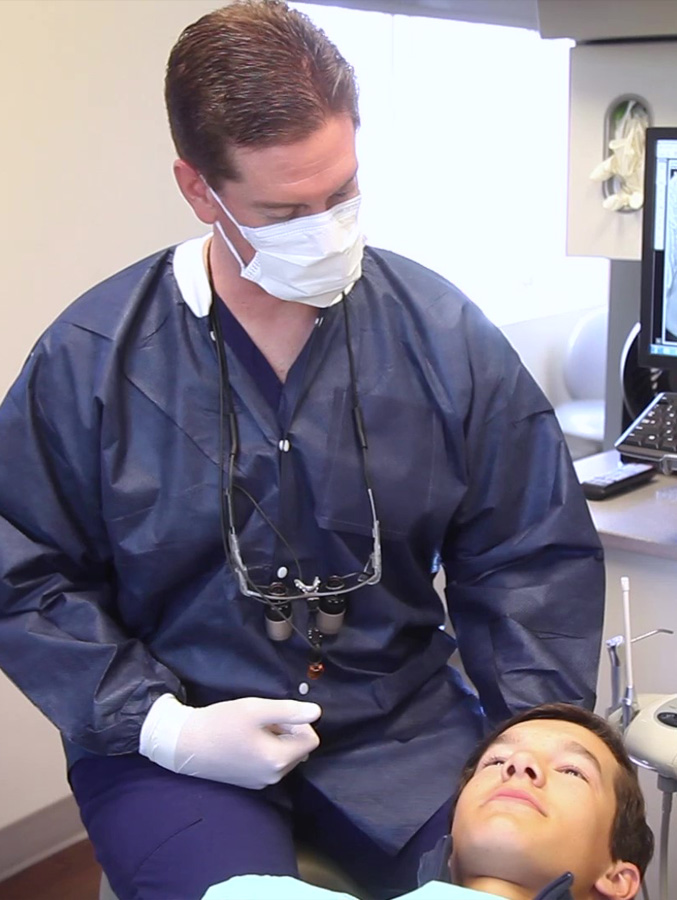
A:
{"points": [[621, 881], [196, 192]]}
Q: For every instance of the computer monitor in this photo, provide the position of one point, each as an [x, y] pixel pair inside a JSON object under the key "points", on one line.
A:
{"points": [[658, 293]]}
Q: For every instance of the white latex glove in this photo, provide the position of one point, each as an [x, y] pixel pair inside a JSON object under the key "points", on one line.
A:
{"points": [[250, 742], [626, 162]]}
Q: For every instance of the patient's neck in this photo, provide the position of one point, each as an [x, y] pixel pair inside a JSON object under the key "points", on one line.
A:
{"points": [[505, 889]]}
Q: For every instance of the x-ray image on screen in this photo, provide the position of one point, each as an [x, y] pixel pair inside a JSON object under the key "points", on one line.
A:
{"points": [[670, 279]]}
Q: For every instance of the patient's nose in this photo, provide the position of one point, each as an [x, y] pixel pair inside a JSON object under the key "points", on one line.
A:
{"points": [[523, 764]]}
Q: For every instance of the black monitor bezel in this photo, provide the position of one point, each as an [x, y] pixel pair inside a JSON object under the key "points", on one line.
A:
{"points": [[648, 284]]}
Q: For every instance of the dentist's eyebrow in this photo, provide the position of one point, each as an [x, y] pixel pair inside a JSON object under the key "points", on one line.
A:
{"points": [[265, 204], [270, 204], [346, 184]]}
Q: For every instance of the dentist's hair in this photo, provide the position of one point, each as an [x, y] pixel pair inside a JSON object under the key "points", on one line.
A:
{"points": [[253, 74], [631, 837]]}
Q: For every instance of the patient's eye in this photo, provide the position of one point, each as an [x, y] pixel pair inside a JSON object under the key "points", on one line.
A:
{"points": [[492, 761], [575, 771]]}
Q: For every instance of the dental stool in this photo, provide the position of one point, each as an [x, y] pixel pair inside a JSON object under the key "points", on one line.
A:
{"points": [[313, 868]]}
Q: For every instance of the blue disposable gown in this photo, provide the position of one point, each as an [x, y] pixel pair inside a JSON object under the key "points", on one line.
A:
{"points": [[113, 584]]}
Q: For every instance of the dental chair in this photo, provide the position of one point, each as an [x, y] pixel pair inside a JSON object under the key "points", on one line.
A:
{"points": [[313, 868]]}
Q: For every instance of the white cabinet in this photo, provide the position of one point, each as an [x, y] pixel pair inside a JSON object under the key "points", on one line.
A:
{"points": [[601, 75]]}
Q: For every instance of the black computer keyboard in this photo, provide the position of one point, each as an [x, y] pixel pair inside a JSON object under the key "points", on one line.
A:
{"points": [[652, 437]]}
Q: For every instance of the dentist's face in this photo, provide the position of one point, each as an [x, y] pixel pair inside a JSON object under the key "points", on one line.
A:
{"points": [[289, 181], [541, 802]]}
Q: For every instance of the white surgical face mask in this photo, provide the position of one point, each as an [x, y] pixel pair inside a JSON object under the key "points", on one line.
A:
{"points": [[311, 260]]}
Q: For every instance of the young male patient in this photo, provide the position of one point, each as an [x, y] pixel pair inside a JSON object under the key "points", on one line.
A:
{"points": [[549, 807]]}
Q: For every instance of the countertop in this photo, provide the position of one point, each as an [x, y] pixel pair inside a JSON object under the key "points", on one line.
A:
{"points": [[642, 520]]}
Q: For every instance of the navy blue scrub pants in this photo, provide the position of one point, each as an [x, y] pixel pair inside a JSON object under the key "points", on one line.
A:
{"points": [[161, 836]]}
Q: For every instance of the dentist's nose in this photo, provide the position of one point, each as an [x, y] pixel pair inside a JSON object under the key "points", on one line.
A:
{"points": [[523, 764]]}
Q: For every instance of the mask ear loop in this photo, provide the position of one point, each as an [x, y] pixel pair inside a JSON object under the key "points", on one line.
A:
{"points": [[219, 226]]}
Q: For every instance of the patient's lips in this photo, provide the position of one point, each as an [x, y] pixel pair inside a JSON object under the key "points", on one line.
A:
{"points": [[518, 796]]}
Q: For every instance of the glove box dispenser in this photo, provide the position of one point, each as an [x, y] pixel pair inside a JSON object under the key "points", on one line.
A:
{"points": [[603, 77]]}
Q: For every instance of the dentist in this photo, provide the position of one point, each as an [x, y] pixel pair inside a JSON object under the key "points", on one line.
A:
{"points": [[229, 475]]}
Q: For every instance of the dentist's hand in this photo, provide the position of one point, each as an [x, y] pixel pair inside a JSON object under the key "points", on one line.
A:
{"points": [[250, 742]]}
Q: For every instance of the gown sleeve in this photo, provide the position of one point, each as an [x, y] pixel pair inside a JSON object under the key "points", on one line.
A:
{"points": [[60, 642], [524, 565]]}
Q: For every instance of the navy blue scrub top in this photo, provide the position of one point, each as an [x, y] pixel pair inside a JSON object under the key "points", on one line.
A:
{"points": [[238, 342]]}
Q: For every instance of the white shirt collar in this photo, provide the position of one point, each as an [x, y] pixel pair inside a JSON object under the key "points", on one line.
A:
{"points": [[191, 275]]}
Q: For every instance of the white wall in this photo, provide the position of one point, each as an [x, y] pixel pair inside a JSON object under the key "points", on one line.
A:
{"points": [[85, 151]]}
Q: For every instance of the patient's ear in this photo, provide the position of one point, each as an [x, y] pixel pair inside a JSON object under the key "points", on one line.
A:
{"points": [[621, 881]]}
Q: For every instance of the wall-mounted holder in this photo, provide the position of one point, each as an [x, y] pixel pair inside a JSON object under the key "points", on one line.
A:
{"points": [[622, 172]]}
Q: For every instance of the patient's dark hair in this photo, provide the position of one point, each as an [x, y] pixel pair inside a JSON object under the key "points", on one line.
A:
{"points": [[631, 838]]}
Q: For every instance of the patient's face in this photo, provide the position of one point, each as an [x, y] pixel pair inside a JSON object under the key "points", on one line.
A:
{"points": [[540, 803]]}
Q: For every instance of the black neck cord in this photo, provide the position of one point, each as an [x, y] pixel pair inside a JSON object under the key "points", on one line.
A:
{"points": [[227, 414]]}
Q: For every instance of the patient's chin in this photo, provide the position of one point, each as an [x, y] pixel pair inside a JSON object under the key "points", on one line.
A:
{"points": [[502, 830], [498, 849]]}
